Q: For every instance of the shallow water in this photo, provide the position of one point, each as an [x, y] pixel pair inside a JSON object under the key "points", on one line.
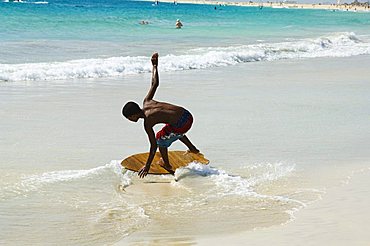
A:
{"points": [[101, 205]]}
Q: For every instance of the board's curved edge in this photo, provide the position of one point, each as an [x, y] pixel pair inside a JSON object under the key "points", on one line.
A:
{"points": [[191, 158]]}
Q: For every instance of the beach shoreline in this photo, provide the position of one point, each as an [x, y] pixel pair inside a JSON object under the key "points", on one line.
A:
{"points": [[277, 5]]}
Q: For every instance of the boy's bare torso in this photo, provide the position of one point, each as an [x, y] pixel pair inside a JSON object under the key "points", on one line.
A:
{"points": [[161, 112]]}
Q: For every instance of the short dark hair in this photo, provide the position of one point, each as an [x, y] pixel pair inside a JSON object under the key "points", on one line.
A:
{"points": [[131, 108]]}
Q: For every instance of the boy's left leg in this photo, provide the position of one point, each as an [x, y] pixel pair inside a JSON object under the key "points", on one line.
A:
{"points": [[166, 163]]}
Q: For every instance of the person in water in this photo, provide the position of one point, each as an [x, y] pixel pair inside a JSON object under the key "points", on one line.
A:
{"points": [[177, 122], [144, 22], [178, 24]]}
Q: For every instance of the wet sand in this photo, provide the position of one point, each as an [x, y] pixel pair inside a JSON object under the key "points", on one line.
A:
{"points": [[312, 113], [340, 218]]}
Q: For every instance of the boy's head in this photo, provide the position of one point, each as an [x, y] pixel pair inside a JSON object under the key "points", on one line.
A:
{"points": [[132, 111]]}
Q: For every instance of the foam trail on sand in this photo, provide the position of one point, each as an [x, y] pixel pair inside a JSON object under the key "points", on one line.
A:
{"points": [[228, 184], [235, 186], [36, 182]]}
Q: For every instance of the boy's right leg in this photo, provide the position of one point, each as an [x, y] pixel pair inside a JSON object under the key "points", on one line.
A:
{"points": [[189, 144]]}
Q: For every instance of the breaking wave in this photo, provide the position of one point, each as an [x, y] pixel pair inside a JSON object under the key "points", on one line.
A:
{"points": [[335, 45]]}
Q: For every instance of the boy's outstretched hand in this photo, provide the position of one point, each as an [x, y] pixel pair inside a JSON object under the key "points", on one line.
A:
{"points": [[143, 171], [155, 59]]}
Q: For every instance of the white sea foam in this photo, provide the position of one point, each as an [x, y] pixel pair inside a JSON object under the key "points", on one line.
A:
{"points": [[228, 184], [70, 175], [335, 45], [35, 182]]}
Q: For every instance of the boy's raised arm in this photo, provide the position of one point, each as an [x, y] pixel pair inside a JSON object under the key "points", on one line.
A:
{"points": [[155, 78]]}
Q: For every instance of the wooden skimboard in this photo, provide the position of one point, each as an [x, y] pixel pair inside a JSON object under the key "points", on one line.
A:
{"points": [[177, 159]]}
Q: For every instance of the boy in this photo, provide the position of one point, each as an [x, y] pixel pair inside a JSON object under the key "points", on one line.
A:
{"points": [[177, 119]]}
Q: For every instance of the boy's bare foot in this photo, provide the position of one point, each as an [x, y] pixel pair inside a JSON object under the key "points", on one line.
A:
{"points": [[168, 168], [194, 151]]}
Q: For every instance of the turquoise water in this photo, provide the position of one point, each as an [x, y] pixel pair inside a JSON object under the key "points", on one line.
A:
{"points": [[40, 32]]}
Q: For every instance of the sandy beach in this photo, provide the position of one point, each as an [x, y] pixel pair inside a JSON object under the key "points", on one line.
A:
{"points": [[282, 5]]}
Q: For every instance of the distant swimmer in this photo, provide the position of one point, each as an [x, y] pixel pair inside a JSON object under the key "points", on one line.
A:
{"points": [[144, 22], [178, 24]]}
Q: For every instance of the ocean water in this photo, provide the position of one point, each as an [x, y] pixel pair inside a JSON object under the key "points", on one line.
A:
{"points": [[94, 39], [66, 67]]}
